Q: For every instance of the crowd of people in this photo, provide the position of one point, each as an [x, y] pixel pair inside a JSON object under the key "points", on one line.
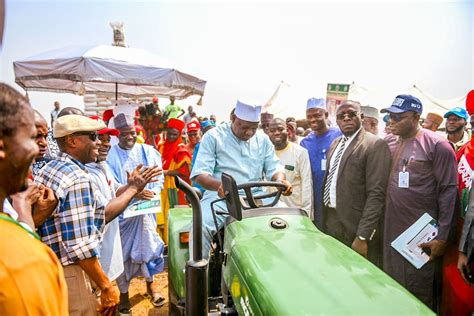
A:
{"points": [[65, 190]]}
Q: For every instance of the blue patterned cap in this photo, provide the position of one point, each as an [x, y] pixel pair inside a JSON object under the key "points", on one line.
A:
{"points": [[206, 124], [404, 103], [314, 103]]}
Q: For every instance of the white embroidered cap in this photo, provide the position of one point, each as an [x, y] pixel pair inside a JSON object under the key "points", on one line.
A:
{"points": [[248, 111]]}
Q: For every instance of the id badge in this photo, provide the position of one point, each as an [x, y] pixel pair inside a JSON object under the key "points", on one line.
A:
{"points": [[290, 168], [323, 164], [403, 179]]}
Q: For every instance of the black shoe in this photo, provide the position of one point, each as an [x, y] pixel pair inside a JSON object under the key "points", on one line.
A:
{"points": [[124, 308]]}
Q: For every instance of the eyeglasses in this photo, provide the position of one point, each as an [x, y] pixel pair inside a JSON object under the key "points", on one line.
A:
{"points": [[92, 135], [350, 114], [192, 134]]}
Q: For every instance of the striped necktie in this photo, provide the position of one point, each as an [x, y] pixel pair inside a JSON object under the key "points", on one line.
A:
{"points": [[332, 171]]}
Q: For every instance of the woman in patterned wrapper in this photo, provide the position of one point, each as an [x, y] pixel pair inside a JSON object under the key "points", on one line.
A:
{"points": [[176, 162]]}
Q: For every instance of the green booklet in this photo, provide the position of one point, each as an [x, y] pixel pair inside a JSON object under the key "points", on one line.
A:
{"points": [[143, 207]]}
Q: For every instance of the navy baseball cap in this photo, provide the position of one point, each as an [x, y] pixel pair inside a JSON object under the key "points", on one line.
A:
{"points": [[404, 103], [462, 113]]}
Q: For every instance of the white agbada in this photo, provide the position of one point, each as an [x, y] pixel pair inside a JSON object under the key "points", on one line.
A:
{"points": [[295, 160], [111, 258]]}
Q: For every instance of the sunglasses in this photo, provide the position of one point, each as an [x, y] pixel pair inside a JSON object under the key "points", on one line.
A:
{"points": [[92, 135], [397, 117], [192, 134], [350, 114]]}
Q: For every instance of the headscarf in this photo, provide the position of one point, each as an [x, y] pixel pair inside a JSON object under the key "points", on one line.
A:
{"points": [[167, 148]]}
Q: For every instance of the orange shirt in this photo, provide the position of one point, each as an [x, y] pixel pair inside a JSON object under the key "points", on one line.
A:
{"points": [[31, 277]]}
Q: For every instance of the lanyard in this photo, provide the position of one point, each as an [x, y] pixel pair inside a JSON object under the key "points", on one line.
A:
{"points": [[11, 220]]}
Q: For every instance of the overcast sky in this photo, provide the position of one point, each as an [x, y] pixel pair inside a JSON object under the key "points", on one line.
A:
{"points": [[245, 48]]}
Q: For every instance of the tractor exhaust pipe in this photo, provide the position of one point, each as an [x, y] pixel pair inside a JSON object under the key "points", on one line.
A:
{"points": [[196, 267]]}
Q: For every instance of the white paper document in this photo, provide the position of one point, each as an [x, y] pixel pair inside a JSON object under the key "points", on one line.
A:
{"points": [[423, 230], [143, 207]]}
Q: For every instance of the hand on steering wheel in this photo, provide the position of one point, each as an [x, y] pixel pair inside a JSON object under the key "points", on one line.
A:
{"points": [[289, 188]]}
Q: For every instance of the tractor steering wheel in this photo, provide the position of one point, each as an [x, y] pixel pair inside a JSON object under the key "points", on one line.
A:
{"points": [[250, 199]]}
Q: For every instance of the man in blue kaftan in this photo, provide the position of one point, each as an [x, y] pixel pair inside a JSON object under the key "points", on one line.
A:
{"points": [[142, 247], [238, 149]]}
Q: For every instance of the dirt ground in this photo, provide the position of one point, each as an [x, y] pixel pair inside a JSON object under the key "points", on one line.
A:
{"points": [[141, 306]]}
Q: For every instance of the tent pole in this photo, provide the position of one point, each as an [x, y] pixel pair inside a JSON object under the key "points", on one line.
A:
{"points": [[116, 91]]}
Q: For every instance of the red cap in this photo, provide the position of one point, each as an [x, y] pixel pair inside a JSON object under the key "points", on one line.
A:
{"points": [[110, 131], [139, 129], [176, 123], [155, 99], [193, 126], [470, 102], [108, 114]]}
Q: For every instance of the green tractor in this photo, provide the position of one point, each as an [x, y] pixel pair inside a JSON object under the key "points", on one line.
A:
{"points": [[272, 261]]}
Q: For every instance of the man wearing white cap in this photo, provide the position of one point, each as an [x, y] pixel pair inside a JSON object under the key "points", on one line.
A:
{"points": [[73, 231], [142, 247], [317, 143], [371, 119], [238, 149]]}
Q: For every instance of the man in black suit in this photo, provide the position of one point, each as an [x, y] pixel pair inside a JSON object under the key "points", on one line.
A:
{"points": [[355, 182]]}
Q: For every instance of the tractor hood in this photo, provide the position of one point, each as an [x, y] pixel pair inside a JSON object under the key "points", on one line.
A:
{"points": [[298, 270]]}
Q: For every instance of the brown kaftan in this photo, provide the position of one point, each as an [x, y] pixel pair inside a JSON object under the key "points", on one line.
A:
{"points": [[431, 163]]}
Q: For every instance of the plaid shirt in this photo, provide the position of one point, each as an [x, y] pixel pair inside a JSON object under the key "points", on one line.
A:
{"points": [[74, 229]]}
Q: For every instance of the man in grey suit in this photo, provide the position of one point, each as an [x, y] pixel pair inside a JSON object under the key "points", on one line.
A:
{"points": [[357, 172]]}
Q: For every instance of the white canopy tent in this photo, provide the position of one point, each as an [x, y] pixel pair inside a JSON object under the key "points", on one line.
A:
{"points": [[281, 103], [106, 70]]}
